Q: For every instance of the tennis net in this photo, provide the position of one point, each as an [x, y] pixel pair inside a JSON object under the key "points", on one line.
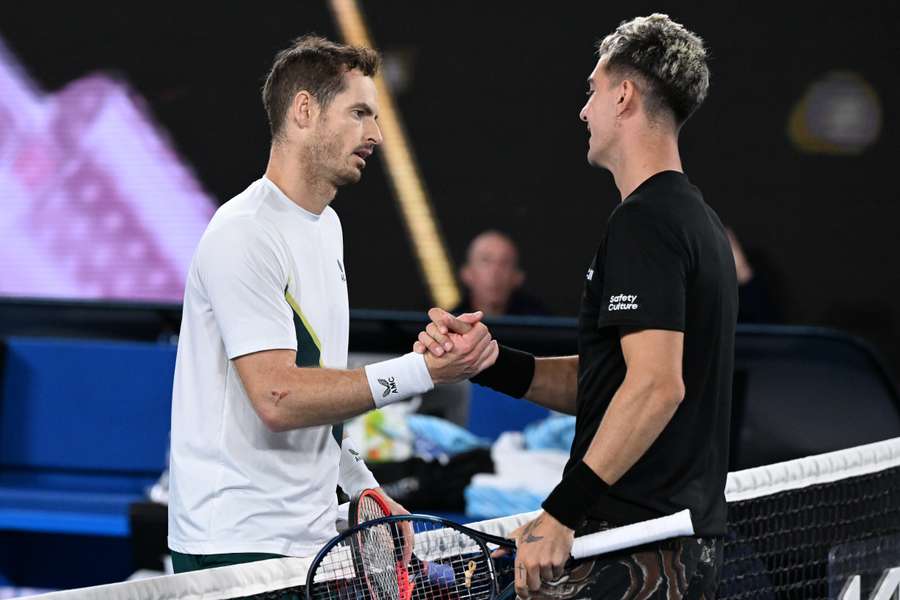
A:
{"points": [[795, 530]]}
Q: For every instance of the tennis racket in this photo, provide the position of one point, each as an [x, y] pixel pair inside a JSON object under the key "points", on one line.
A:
{"points": [[369, 505], [361, 563]]}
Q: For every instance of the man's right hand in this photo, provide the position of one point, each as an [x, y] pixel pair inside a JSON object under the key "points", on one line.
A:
{"points": [[456, 348]]}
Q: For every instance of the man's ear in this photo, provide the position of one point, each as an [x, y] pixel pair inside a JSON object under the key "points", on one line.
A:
{"points": [[627, 97], [303, 110]]}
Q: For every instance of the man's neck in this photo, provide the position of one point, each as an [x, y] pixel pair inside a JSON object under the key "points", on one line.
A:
{"points": [[286, 170], [642, 158]]}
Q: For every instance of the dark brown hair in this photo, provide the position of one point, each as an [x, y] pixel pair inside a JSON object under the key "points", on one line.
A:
{"points": [[314, 64]]}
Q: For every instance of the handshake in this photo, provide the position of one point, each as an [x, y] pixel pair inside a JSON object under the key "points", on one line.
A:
{"points": [[450, 349], [456, 348]]}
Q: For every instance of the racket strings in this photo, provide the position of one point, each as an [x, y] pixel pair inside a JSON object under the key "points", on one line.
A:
{"points": [[368, 509], [446, 565], [378, 546]]}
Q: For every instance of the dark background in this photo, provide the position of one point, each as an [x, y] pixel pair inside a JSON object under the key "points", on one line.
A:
{"points": [[491, 108]]}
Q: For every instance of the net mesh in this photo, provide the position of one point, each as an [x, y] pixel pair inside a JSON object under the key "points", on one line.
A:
{"points": [[778, 545], [784, 520]]}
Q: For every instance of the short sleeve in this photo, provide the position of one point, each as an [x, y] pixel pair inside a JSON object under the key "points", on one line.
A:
{"points": [[245, 277], [645, 270]]}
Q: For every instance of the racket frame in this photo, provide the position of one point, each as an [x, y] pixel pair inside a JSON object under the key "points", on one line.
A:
{"points": [[353, 510], [482, 539]]}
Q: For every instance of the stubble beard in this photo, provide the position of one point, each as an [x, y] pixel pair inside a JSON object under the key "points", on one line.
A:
{"points": [[328, 163]]}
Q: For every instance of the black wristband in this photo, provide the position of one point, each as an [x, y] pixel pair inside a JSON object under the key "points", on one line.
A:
{"points": [[579, 490], [511, 374]]}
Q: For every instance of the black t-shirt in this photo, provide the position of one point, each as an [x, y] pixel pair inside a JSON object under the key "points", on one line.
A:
{"points": [[665, 263]]}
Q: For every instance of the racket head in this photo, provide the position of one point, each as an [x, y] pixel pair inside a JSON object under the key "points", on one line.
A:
{"points": [[453, 562], [366, 505]]}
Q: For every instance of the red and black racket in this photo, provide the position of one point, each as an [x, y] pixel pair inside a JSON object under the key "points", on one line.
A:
{"points": [[390, 542], [367, 505]]}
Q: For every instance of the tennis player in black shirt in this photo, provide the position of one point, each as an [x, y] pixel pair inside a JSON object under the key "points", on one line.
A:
{"points": [[651, 385]]}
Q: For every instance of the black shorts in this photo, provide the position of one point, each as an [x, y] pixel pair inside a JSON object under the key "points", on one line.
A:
{"points": [[686, 567]]}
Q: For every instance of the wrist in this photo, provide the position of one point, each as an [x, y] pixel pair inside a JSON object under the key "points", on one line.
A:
{"points": [[579, 490], [398, 379], [433, 370], [555, 523], [511, 374]]}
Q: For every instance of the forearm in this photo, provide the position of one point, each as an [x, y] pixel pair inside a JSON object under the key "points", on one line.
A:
{"points": [[297, 397], [287, 397], [555, 383], [638, 413]]}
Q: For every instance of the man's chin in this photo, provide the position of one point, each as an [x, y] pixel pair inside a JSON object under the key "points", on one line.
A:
{"points": [[349, 176], [595, 161]]}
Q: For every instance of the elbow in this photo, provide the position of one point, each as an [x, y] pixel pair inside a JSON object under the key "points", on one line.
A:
{"points": [[669, 391], [664, 391], [274, 423], [271, 411], [270, 416]]}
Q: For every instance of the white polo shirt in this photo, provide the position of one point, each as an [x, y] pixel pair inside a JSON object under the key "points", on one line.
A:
{"points": [[266, 275]]}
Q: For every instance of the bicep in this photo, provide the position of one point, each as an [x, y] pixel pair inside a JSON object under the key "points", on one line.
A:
{"points": [[244, 281], [645, 269], [654, 354], [261, 372]]}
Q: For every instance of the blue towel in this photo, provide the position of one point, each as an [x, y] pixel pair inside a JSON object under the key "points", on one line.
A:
{"points": [[441, 436], [553, 433], [486, 502]]}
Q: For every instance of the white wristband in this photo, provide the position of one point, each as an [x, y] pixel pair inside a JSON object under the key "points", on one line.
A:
{"points": [[398, 379], [353, 474]]}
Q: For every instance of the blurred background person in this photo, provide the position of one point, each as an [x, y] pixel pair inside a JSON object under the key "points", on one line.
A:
{"points": [[493, 279], [756, 304]]}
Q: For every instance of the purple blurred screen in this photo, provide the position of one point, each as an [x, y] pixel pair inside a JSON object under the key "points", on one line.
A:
{"points": [[94, 201]]}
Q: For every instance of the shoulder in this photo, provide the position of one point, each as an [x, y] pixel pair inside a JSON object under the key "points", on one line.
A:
{"points": [[637, 214], [241, 240], [645, 223], [237, 229]]}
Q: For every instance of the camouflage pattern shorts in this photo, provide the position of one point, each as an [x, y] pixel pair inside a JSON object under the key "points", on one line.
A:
{"points": [[675, 569]]}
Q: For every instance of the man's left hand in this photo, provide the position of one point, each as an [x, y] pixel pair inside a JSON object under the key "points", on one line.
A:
{"points": [[543, 547]]}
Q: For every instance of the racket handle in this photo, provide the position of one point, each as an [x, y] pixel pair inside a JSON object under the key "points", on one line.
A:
{"points": [[636, 534]]}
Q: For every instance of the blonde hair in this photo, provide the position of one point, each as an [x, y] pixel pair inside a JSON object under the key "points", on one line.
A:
{"points": [[668, 61]]}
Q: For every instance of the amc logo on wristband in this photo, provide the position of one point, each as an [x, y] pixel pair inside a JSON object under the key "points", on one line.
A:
{"points": [[390, 387]]}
